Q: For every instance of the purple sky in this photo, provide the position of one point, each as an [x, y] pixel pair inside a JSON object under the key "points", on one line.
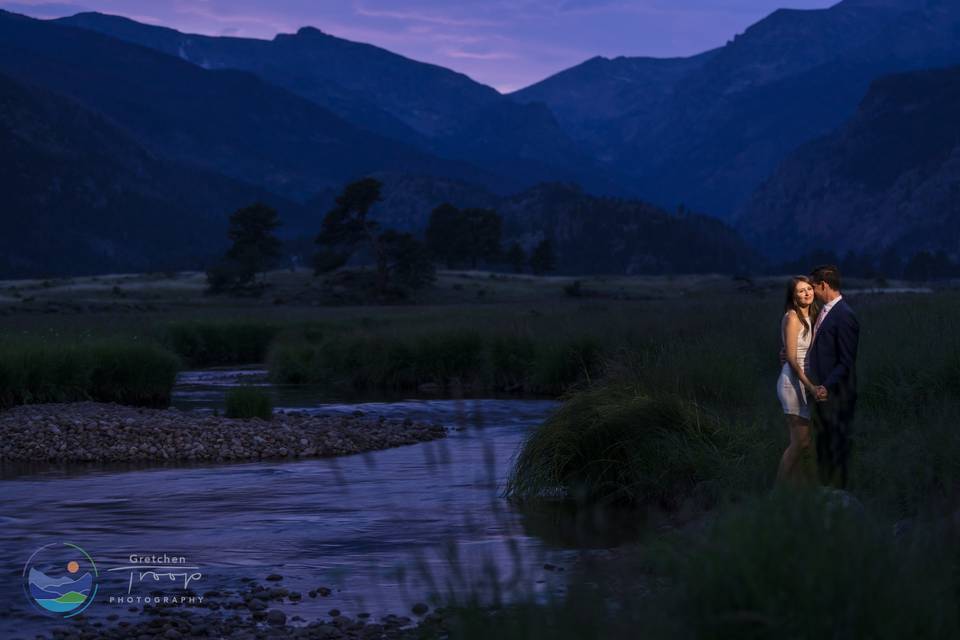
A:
{"points": [[507, 44]]}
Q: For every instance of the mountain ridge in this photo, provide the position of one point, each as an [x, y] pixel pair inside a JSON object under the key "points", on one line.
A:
{"points": [[888, 179], [438, 110]]}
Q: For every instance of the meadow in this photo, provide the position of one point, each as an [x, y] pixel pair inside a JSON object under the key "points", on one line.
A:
{"points": [[669, 407]]}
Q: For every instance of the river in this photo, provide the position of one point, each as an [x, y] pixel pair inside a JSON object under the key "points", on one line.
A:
{"points": [[381, 530]]}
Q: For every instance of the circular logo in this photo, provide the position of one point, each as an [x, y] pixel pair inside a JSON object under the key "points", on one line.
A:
{"points": [[60, 579]]}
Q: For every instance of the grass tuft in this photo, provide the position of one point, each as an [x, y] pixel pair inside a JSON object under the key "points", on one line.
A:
{"points": [[615, 444], [249, 402]]}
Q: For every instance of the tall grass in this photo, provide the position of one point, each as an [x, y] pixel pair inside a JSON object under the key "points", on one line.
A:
{"points": [[784, 565], [105, 371], [211, 343], [364, 360], [249, 402], [800, 565], [906, 451]]}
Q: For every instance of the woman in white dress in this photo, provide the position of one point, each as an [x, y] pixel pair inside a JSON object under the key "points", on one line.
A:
{"points": [[794, 388]]}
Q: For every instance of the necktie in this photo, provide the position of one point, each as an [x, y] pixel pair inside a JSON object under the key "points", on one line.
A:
{"points": [[816, 326]]}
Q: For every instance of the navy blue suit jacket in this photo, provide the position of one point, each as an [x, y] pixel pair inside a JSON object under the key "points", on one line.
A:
{"points": [[832, 358]]}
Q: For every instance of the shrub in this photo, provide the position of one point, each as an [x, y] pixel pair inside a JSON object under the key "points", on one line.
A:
{"points": [[249, 402]]}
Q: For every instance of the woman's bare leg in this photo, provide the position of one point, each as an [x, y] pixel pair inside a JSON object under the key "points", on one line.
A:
{"points": [[792, 468]]}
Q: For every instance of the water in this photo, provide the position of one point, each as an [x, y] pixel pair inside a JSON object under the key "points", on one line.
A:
{"points": [[383, 530]]}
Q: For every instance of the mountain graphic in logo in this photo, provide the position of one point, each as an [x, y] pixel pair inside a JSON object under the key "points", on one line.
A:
{"points": [[60, 579], [60, 595]]}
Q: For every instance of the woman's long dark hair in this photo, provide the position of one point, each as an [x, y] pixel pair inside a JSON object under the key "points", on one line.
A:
{"points": [[791, 305]]}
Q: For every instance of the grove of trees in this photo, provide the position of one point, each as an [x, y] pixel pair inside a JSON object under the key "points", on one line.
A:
{"points": [[400, 259]]}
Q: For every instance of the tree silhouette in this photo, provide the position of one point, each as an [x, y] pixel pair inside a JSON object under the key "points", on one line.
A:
{"points": [[543, 260], [463, 237], [445, 238], [516, 257], [400, 258], [255, 248], [348, 225]]}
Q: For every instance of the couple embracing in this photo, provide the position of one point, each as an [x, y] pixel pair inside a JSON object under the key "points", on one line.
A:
{"points": [[818, 379]]}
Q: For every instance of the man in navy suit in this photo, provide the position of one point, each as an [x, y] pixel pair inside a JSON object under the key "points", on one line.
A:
{"points": [[831, 365]]}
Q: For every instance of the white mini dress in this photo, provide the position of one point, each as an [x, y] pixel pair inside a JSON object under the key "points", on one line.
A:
{"points": [[793, 397]]}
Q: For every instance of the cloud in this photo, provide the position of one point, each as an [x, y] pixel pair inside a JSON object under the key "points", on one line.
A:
{"points": [[469, 55], [429, 18], [43, 9]]}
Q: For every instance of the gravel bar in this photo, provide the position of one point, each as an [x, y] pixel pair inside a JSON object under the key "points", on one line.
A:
{"points": [[98, 432]]}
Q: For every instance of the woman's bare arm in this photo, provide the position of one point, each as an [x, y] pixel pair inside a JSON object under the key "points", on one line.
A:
{"points": [[791, 335]]}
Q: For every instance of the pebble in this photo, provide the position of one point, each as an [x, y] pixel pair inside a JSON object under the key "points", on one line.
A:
{"points": [[173, 623], [101, 432]]}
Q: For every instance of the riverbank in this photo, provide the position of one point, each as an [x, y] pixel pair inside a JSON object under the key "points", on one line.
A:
{"points": [[215, 626], [99, 432], [252, 612]]}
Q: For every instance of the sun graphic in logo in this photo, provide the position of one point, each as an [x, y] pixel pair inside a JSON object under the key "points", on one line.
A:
{"points": [[60, 579]]}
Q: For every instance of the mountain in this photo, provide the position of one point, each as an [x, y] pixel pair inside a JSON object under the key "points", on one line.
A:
{"points": [[82, 196], [890, 177], [222, 121], [43, 586], [625, 236], [438, 110], [707, 130]]}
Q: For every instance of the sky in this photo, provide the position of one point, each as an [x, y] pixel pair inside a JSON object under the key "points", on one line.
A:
{"points": [[507, 44]]}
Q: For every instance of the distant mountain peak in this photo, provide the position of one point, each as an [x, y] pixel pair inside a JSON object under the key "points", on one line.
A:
{"points": [[310, 32], [893, 4]]}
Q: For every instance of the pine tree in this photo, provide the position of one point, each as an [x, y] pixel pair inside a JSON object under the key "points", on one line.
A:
{"points": [[255, 248], [543, 260]]}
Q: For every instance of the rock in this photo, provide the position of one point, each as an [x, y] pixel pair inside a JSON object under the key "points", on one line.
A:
{"points": [[274, 577], [276, 617], [256, 605], [419, 609]]}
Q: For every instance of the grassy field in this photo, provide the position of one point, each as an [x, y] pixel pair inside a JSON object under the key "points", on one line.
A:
{"points": [[669, 389]]}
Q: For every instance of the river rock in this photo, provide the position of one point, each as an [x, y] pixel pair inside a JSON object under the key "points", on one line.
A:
{"points": [[101, 432]]}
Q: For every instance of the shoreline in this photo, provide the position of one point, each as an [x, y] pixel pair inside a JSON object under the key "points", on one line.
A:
{"points": [[254, 611], [101, 432]]}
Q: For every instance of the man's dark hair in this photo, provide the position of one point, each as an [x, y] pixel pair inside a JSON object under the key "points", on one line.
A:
{"points": [[828, 273]]}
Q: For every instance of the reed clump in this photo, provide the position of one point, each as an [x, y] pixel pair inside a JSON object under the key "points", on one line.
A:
{"points": [[125, 372], [249, 402], [617, 444]]}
